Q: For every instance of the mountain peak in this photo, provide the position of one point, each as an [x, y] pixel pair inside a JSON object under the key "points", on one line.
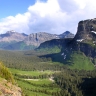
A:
{"points": [[66, 34], [10, 32], [24, 34]]}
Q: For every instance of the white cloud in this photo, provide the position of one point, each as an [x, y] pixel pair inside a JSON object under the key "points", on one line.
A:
{"points": [[43, 9], [53, 16]]}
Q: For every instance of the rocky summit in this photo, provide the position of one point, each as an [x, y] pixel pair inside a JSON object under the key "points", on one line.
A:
{"points": [[86, 30]]}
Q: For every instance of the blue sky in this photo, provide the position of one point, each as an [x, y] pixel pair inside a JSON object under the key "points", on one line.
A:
{"points": [[52, 16], [13, 7]]}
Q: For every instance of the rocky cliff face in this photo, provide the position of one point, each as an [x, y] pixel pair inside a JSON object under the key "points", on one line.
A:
{"points": [[37, 38], [86, 30], [85, 38]]}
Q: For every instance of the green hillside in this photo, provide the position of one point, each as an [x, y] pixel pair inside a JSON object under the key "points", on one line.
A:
{"points": [[53, 46], [5, 73], [79, 61]]}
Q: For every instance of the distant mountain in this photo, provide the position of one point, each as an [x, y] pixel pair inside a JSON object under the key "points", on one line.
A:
{"points": [[12, 40], [66, 34], [10, 36], [37, 38]]}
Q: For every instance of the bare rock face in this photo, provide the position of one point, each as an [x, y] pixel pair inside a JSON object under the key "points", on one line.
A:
{"points": [[37, 38], [86, 30]]}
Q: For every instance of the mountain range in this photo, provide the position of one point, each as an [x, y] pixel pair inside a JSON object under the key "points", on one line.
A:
{"points": [[12, 40]]}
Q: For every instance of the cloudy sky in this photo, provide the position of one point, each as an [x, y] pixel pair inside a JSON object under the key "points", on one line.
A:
{"points": [[52, 16]]}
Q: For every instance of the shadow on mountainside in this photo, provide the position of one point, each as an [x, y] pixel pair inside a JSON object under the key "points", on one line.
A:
{"points": [[88, 86]]}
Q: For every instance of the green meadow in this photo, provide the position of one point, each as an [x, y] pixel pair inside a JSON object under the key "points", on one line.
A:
{"points": [[36, 83]]}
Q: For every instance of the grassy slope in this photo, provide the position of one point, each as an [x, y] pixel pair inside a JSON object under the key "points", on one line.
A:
{"points": [[79, 61], [5, 73], [54, 49]]}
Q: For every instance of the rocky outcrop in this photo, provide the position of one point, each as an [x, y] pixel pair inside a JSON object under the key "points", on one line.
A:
{"points": [[8, 89], [85, 38], [86, 30]]}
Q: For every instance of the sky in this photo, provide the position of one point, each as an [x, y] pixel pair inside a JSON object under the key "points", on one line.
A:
{"points": [[52, 16]]}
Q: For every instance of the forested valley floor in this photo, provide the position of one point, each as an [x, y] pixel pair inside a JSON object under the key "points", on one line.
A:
{"points": [[40, 76]]}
